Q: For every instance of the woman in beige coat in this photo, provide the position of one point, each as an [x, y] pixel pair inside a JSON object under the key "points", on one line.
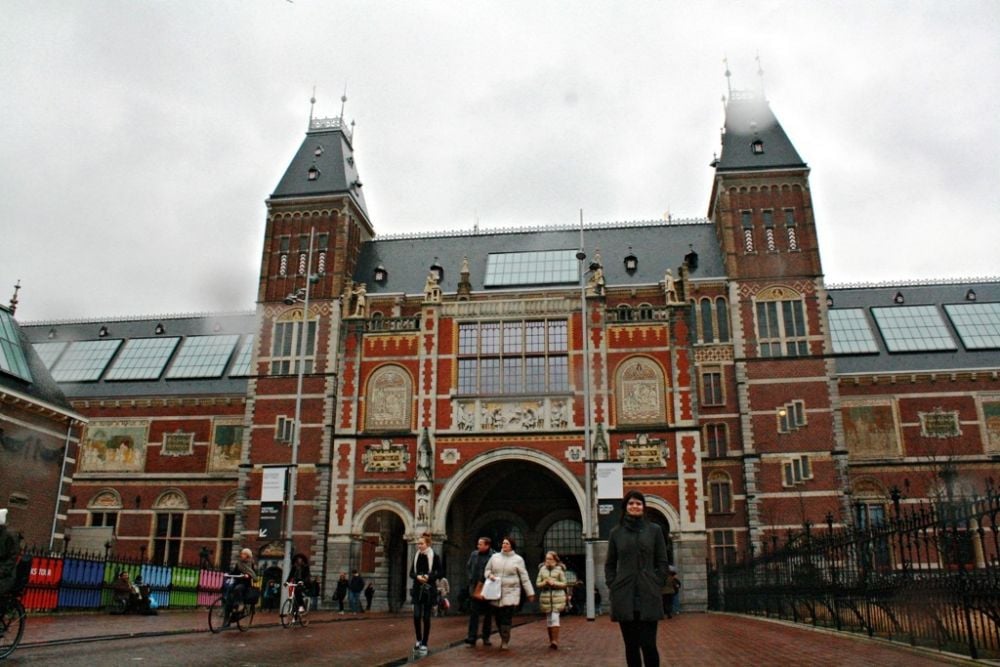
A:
{"points": [[509, 568], [551, 582]]}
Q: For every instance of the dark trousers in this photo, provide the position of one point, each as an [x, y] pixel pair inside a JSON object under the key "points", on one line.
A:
{"points": [[422, 621], [504, 615], [640, 636], [479, 608]]}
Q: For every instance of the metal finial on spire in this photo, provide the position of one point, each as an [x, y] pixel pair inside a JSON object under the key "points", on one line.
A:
{"points": [[343, 101], [760, 75], [13, 299], [312, 106], [729, 83]]}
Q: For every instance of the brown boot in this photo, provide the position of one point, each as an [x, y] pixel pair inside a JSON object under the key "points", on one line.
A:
{"points": [[554, 637]]}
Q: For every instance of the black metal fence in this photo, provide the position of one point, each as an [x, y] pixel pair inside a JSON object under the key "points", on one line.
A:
{"points": [[929, 576]]}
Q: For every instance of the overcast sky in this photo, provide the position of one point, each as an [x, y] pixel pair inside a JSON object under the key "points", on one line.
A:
{"points": [[139, 140]]}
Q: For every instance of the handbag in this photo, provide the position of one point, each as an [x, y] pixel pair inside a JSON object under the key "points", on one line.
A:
{"points": [[491, 589], [477, 592]]}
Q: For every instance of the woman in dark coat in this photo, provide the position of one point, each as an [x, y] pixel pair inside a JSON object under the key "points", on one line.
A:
{"points": [[635, 572], [425, 572]]}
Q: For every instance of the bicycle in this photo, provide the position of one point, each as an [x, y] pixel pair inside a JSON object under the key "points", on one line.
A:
{"points": [[217, 612], [12, 614], [290, 612]]}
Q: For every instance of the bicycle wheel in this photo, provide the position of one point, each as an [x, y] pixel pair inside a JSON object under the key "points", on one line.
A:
{"points": [[245, 620], [11, 627], [217, 616], [287, 611]]}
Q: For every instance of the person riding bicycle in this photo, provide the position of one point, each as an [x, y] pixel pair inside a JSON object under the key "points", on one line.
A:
{"points": [[242, 591], [300, 575], [8, 555]]}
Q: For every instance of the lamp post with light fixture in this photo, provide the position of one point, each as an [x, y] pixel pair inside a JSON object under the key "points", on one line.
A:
{"points": [[301, 295], [588, 514]]}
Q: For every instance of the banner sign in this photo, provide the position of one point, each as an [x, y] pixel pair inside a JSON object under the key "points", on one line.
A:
{"points": [[609, 479], [272, 496]]}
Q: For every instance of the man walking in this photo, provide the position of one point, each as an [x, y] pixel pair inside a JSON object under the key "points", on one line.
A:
{"points": [[354, 589], [477, 606]]}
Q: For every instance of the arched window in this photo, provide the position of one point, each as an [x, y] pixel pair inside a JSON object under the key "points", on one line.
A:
{"points": [[640, 394], [169, 529], [624, 313], [387, 406], [720, 493], [104, 508], [645, 311], [722, 318], [707, 330], [564, 537]]}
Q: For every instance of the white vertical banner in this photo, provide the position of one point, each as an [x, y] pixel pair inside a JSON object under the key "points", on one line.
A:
{"points": [[273, 487], [610, 478]]}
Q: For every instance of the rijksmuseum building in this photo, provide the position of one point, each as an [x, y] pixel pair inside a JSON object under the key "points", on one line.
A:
{"points": [[472, 383]]}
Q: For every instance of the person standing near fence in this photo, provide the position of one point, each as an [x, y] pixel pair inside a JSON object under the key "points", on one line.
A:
{"points": [[477, 605], [551, 583], [635, 572], [8, 555]]}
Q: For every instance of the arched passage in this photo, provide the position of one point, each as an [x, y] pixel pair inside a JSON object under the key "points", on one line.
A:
{"points": [[379, 551], [524, 493]]}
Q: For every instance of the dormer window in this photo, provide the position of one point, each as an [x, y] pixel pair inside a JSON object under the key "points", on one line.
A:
{"points": [[757, 147], [318, 151], [313, 173], [380, 274]]}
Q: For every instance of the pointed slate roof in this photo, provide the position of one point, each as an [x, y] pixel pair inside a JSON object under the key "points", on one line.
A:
{"points": [[749, 119], [39, 386], [326, 149]]}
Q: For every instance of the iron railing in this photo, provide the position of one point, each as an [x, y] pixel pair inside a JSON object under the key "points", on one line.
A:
{"points": [[929, 576]]}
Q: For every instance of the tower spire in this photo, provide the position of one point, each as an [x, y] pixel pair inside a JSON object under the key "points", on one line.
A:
{"points": [[343, 101], [760, 75], [312, 106], [13, 299], [729, 83]]}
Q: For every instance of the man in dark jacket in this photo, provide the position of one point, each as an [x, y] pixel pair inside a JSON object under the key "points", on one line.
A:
{"points": [[354, 589], [635, 572], [340, 592], [474, 571]]}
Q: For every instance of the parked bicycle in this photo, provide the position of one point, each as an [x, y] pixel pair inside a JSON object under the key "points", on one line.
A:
{"points": [[226, 610], [12, 615], [295, 612]]}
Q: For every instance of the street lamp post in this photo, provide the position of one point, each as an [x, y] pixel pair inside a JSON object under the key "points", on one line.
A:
{"points": [[588, 515], [286, 562]]}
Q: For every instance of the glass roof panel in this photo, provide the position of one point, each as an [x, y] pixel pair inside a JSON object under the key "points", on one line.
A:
{"points": [[142, 359], [203, 356], [49, 352], [850, 332], [913, 329], [12, 359], [241, 367], [978, 324], [537, 267], [85, 360]]}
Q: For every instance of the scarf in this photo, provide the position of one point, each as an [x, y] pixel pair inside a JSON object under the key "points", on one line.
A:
{"points": [[430, 560]]}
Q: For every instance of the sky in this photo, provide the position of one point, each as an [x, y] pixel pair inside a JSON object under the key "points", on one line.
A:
{"points": [[140, 140]]}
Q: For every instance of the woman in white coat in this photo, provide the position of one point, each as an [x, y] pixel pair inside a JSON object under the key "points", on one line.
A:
{"points": [[509, 568]]}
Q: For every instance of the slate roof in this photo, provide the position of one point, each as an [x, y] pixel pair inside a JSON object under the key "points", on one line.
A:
{"points": [[327, 147], [658, 245], [42, 387], [749, 118], [935, 294], [182, 325]]}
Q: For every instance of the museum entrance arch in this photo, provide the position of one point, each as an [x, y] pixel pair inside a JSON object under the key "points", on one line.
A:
{"points": [[379, 553], [530, 497]]}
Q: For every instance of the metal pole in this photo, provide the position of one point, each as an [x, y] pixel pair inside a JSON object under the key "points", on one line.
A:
{"points": [[286, 561], [588, 515]]}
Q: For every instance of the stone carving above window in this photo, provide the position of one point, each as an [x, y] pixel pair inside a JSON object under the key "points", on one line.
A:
{"points": [[171, 500], [388, 402], [640, 393], [644, 452], [514, 415], [177, 444]]}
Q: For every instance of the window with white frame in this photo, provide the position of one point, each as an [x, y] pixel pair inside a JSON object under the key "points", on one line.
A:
{"points": [[796, 471], [716, 436], [711, 387], [791, 416], [781, 324], [284, 429], [724, 546], [285, 343]]}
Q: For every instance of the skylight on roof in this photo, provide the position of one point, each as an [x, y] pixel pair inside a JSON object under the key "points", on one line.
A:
{"points": [[203, 356], [12, 359], [49, 352], [85, 360], [142, 359], [536, 267], [978, 324], [850, 332], [241, 367], [913, 329]]}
